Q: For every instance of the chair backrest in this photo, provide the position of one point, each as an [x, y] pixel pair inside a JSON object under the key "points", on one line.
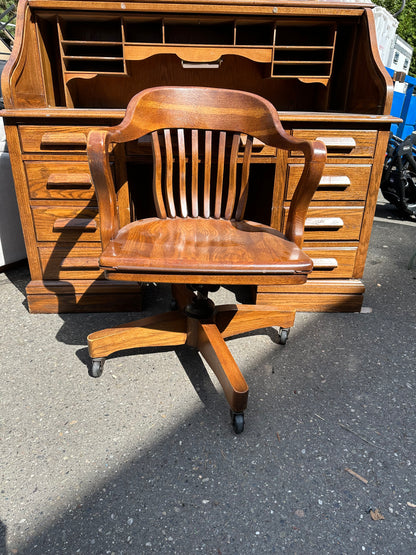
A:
{"points": [[202, 142], [196, 173]]}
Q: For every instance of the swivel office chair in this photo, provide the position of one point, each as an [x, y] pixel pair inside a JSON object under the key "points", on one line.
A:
{"points": [[202, 143]]}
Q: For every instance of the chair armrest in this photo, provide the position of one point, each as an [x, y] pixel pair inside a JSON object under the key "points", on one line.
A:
{"points": [[99, 162], [315, 158]]}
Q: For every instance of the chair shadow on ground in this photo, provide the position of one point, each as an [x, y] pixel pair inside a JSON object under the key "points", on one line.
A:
{"points": [[156, 298]]}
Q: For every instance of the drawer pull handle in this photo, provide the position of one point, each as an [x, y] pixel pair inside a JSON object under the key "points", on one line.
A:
{"points": [[75, 224], [324, 223], [69, 181], [340, 143], [70, 263], [324, 263], [334, 182], [64, 139]]}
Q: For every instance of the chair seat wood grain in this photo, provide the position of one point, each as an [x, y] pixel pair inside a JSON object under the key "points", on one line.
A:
{"points": [[203, 245]]}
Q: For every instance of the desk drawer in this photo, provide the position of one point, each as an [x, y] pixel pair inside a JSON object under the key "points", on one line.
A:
{"points": [[332, 262], [66, 225], [339, 181], [43, 138], [341, 142], [78, 262], [59, 180], [332, 223]]}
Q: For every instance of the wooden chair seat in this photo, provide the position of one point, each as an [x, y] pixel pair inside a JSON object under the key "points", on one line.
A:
{"points": [[202, 245]]}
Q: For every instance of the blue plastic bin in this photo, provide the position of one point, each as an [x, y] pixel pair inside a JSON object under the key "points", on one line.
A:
{"points": [[404, 107]]}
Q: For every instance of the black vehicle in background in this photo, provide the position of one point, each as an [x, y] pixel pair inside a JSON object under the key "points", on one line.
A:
{"points": [[398, 181]]}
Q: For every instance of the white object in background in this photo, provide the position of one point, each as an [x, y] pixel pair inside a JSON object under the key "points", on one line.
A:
{"points": [[386, 26], [12, 247], [401, 55]]}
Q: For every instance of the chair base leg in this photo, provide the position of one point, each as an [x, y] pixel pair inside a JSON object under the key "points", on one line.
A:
{"points": [[163, 330], [206, 337], [206, 334]]}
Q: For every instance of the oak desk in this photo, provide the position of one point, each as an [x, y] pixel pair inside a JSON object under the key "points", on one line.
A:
{"points": [[76, 64]]}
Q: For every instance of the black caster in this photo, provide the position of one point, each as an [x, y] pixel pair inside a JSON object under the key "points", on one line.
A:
{"points": [[97, 367], [237, 419], [283, 335]]}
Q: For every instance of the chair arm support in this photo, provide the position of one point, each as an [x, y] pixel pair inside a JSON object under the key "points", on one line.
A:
{"points": [[315, 158], [99, 162]]}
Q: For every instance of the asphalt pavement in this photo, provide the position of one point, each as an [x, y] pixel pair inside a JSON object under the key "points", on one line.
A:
{"points": [[144, 459]]}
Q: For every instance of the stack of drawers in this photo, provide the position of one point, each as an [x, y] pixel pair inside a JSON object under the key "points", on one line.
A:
{"points": [[334, 224], [65, 224], [63, 203]]}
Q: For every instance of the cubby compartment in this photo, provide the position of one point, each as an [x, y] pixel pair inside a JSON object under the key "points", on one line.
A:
{"points": [[91, 46], [90, 29], [143, 30], [304, 51], [192, 31], [302, 69], [249, 33], [92, 49], [301, 54], [94, 65], [305, 35]]}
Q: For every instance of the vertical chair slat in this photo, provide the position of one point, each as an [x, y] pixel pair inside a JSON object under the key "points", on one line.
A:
{"points": [[182, 173], [220, 174], [157, 177], [232, 182], [207, 174], [195, 210], [169, 175], [242, 201]]}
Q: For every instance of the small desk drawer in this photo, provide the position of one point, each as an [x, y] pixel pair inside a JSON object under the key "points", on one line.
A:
{"points": [[59, 180], [340, 142], [81, 262], [338, 182], [66, 225], [332, 223], [36, 138], [332, 262]]}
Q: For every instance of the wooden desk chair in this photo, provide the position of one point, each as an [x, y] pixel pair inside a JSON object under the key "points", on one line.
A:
{"points": [[199, 238]]}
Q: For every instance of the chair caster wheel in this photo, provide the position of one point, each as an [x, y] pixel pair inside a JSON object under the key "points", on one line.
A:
{"points": [[237, 419], [97, 367], [283, 335]]}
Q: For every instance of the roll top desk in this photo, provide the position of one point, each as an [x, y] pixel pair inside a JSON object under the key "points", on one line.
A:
{"points": [[76, 64]]}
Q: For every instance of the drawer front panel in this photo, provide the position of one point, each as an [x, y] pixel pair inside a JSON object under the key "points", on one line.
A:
{"points": [[59, 180], [341, 143], [338, 182], [81, 262], [36, 138], [66, 225], [334, 223], [332, 262]]}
